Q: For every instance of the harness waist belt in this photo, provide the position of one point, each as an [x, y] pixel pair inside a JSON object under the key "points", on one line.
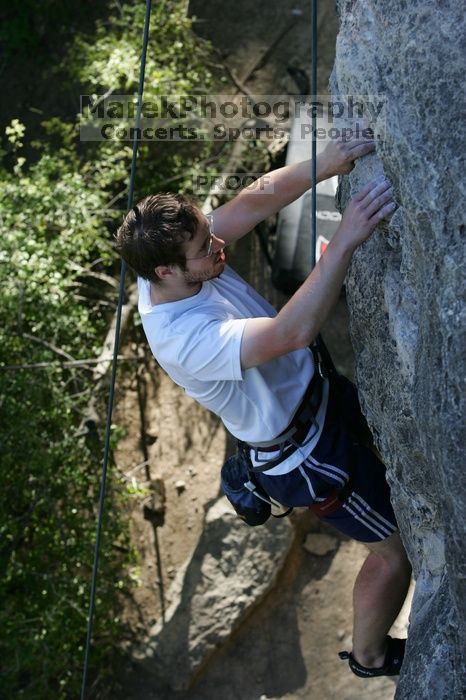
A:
{"points": [[302, 419]]}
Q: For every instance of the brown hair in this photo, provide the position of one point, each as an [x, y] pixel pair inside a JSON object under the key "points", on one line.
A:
{"points": [[154, 231]]}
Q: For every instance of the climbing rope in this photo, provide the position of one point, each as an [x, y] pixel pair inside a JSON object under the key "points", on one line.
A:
{"points": [[121, 296], [321, 349], [314, 135]]}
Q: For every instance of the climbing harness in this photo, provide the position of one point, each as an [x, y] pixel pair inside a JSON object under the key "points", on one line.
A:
{"points": [[297, 433], [115, 356]]}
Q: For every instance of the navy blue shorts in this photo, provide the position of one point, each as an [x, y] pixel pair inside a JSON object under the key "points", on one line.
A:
{"points": [[366, 514]]}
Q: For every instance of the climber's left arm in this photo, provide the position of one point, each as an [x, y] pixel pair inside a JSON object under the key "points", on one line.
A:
{"points": [[273, 191]]}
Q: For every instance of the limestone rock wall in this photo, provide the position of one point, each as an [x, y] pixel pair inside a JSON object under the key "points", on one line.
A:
{"points": [[406, 292]]}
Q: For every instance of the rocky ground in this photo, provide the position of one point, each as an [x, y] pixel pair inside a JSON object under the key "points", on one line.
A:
{"points": [[287, 646]]}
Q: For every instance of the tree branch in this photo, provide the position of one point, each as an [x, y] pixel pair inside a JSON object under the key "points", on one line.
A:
{"points": [[49, 346]]}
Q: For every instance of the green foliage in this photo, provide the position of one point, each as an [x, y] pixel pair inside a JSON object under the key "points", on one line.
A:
{"points": [[50, 474], [176, 65], [175, 59], [58, 217]]}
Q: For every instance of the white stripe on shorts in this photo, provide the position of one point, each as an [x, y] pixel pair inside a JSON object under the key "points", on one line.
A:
{"points": [[331, 467], [364, 522], [374, 512], [370, 515], [308, 481], [326, 473]]}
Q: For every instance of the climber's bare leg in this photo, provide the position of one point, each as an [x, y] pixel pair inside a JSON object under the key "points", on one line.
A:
{"points": [[379, 593]]}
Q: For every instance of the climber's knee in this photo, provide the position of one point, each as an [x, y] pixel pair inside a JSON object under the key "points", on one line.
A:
{"points": [[391, 550]]}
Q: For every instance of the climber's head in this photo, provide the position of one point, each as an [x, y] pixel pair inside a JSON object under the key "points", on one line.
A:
{"points": [[155, 232]]}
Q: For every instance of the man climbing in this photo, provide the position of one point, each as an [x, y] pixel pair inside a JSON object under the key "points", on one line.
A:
{"points": [[232, 352]]}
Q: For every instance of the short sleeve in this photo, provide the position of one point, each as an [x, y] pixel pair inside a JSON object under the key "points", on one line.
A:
{"points": [[212, 350]]}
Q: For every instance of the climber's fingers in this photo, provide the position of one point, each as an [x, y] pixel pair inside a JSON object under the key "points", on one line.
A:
{"points": [[372, 190], [360, 147], [379, 196], [383, 212], [341, 152]]}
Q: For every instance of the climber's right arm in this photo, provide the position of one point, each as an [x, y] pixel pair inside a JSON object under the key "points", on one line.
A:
{"points": [[267, 195], [300, 320]]}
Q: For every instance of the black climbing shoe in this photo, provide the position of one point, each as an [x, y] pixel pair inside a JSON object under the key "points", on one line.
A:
{"points": [[393, 660]]}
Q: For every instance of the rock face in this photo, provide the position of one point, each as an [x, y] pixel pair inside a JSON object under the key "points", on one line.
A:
{"points": [[229, 573], [406, 291]]}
